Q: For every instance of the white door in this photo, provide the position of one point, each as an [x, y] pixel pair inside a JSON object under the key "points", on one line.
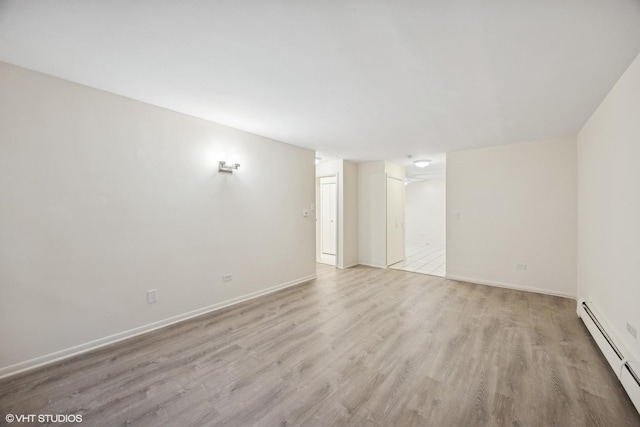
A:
{"points": [[328, 219], [395, 220]]}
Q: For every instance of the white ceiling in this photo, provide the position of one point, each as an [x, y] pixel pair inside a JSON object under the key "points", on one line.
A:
{"points": [[361, 80]]}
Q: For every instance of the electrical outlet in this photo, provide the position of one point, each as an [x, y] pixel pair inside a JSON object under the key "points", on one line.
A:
{"points": [[227, 277], [521, 266], [152, 296], [632, 330]]}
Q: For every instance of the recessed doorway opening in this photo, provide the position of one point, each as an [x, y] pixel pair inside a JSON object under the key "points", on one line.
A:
{"points": [[327, 220], [425, 209]]}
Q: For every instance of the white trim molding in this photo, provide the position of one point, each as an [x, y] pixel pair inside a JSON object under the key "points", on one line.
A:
{"points": [[621, 360], [367, 264], [66, 353], [344, 267], [510, 286]]}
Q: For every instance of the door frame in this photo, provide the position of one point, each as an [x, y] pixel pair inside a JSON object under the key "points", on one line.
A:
{"points": [[403, 222], [318, 211]]}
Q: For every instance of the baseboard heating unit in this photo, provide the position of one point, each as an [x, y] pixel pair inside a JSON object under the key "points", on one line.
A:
{"points": [[626, 369]]}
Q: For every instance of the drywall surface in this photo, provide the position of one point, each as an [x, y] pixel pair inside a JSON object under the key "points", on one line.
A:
{"points": [[104, 198], [609, 208], [350, 215], [426, 211], [372, 210], [329, 168], [372, 214], [394, 171], [510, 205]]}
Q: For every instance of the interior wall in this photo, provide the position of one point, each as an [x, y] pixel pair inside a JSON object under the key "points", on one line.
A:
{"points": [[372, 217], [426, 213], [609, 208], [104, 198], [514, 204], [350, 215], [395, 171], [372, 210], [396, 238]]}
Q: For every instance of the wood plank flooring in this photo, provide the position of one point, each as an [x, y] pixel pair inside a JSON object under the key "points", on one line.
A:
{"points": [[362, 346]]}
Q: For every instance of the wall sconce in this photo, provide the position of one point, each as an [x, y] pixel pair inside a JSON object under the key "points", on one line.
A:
{"points": [[228, 168]]}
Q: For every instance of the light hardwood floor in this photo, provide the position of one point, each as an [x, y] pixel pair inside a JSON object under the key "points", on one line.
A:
{"points": [[361, 346]]}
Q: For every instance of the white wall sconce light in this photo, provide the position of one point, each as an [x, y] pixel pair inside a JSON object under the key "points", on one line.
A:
{"points": [[422, 163], [318, 160], [223, 166]]}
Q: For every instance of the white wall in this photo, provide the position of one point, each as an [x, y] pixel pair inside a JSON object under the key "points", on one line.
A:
{"points": [[517, 205], [425, 211], [350, 215], [372, 214], [103, 198], [609, 208], [372, 210], [394, 171]]}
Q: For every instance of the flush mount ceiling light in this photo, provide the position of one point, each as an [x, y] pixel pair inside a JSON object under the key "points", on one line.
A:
{"points": [[421, 163], [318, 160]]}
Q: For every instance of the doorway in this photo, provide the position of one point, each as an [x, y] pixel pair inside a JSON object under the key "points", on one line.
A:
{"points": [[327, 220], [425, 226], [395, 220]]}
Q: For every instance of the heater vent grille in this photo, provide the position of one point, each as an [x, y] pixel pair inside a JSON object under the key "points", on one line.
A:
{"points": [[615, 355], [632, 373], [602, 331]]}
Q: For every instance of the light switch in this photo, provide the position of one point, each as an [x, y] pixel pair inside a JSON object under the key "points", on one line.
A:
{"points": [[152, 296]]}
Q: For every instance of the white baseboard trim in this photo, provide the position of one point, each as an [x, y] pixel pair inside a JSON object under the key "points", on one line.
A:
{"points": [[369, 264], [510, 286], [66, 353], [620, 358], [343, 267]]}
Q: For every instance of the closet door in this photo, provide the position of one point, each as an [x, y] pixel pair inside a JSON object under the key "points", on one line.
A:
{"points": [[395, 220], [329, 213]]}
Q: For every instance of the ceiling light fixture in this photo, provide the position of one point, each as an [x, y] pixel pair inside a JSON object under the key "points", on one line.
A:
{"points": [[421, 163]]}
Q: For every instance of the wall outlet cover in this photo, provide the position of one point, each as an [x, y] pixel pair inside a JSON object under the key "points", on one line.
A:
{"points": [[152, 296]]}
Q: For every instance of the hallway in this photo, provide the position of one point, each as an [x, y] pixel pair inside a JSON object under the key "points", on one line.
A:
{"points": [[423, 258]]}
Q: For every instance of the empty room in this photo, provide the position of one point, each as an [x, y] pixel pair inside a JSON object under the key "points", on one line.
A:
{"points": [[268, 213]]}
